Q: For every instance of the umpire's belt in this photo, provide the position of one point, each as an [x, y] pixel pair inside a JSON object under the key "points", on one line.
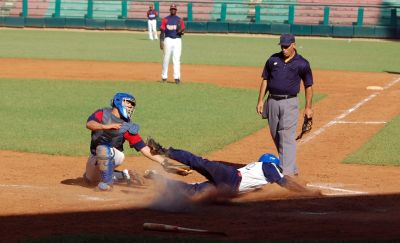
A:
{"points": [[281, 97]]}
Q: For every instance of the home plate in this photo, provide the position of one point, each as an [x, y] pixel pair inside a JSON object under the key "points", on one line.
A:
{"points": [[374, 88], [331, 189]]}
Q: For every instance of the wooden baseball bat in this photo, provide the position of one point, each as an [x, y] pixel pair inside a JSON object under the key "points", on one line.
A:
{"points": [[174, 228]]}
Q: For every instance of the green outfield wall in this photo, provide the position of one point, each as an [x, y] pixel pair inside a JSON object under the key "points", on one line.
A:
{"points": [[240, 16]]}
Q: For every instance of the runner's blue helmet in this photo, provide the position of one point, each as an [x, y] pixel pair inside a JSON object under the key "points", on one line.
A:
{"points": [[118, 102], [269, 158]]}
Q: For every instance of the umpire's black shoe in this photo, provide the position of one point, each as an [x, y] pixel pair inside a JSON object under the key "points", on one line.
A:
{"points": [[177, 81], [156, 148]]}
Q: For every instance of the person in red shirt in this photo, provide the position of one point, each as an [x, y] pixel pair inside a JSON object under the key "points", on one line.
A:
{"points": [[111, 127], [152, 22]]}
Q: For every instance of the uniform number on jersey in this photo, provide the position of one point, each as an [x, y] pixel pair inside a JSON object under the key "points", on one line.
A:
{"points": [[171, 27]]}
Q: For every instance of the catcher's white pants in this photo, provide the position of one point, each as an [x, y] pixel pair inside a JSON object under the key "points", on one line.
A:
{"points": [[92, 172], [174, 47], [152, 27]]}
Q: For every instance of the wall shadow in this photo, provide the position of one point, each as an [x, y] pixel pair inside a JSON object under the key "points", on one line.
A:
{"points": [[329, 218]]}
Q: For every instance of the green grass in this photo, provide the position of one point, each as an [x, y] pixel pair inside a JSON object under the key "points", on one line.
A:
{"points": [[49, 116], [382, 149], [328, 54], [201, 118]]}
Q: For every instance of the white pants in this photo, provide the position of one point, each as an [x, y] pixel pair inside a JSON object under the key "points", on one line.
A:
{"points": [[92, 172], [174, 47], [152, 27]]}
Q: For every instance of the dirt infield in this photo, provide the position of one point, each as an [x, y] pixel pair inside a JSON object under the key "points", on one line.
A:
{"points": [[44, 195]]}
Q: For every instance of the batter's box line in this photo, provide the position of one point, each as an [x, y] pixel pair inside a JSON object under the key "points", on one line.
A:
{"points": [[346, 113]]}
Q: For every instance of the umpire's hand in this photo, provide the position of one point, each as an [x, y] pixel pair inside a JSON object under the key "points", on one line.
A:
{"points": [[308, 112], [260, 107]]}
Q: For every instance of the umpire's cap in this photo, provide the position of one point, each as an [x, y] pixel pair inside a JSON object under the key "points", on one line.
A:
{"points": [[173, 6], [286, 39]]}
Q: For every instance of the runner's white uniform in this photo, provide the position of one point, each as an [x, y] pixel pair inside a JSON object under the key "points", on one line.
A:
{"points": [[253, 177]]}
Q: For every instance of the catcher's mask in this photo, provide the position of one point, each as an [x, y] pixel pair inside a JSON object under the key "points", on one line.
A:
{"points": [[125, 103], [269, 158]]}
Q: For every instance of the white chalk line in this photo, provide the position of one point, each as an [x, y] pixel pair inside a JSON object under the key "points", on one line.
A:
{"points": [[362, 122], [346, 113], [20, 186], [81, 196], [333, 188], [93, 198]]}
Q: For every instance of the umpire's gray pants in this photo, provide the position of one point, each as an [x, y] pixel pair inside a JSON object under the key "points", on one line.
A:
{"points": [[282, 118]]}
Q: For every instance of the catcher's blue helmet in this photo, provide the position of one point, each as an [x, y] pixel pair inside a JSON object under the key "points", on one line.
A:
{"points": [[269, 158], [117, 102]]}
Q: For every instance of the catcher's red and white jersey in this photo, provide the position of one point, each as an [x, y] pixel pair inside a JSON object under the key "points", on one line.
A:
{"points": [[114, 138]]}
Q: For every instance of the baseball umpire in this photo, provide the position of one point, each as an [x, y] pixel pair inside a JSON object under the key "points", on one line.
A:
{"points": [[224, 178], [281, 77], [111, 127], [172, 28]]}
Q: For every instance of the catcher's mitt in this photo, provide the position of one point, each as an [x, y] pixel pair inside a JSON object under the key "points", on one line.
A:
{"points": [[182, 170], [307, 125]]}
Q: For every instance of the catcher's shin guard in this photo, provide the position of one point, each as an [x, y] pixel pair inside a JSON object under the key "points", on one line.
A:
{"points": [[105, 160]]}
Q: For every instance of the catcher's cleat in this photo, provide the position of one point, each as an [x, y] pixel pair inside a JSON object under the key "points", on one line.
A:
{"points": [[177, 81], [156, 148], [127, 177]]}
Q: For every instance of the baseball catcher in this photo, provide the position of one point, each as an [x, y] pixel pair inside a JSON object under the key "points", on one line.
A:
{"points": [[111, 127]]}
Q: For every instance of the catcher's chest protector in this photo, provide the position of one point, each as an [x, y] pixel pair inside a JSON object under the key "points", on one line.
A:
{"points": [[113, 137]]}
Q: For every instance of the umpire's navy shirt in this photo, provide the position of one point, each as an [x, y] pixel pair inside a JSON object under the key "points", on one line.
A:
{"points": [[284, 78]]}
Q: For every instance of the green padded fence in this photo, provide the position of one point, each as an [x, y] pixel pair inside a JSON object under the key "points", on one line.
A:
{"points": [[34, 22], [238, 27], [18, 22], [75, 23], [260, 28], [115, 24], [301, 29], [196, 27]]}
